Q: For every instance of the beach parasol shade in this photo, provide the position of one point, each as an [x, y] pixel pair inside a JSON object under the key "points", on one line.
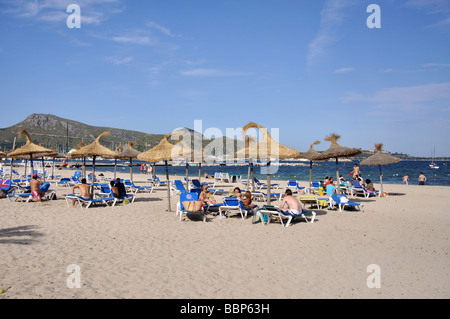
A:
{"points": [[311, 155], [29, 149], [164, 151], [266, 149], [130, 153], [380, 158], [94, 149], [336, 151]]}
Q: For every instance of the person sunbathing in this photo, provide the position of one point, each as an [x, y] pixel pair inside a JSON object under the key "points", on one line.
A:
{"points": [[35, 188], [293, 204], [84, 190]]}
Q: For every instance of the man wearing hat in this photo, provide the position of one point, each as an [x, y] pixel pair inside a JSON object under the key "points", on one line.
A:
{"points": [[35, 184]]}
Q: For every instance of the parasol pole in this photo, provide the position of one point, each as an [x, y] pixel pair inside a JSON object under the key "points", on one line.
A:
{"points": [[43, 168], [187, 175], [168, 187], [268, 182], [93, 174], [248, 176], [200, 172], [131, 169], [310, 173], [337, 177], [253, 177], [381, 181]]}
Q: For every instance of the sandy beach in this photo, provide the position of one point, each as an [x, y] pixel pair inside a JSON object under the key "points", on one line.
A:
{"points": [[140, 250]]}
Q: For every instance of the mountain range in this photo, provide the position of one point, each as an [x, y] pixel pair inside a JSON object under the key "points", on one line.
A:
{"points": [[65, 134]]}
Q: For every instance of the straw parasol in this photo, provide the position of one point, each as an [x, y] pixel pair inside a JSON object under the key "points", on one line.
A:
{"points": [[94, 149], [3, 154], [130, 153], [336, 151], [164, 151], [266, 149], [311, 155], [74, 154], [379, 159], [29, 149]]}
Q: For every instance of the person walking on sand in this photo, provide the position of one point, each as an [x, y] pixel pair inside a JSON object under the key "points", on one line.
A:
{"points": [[356, 171], [405, 179], [422, 179]]}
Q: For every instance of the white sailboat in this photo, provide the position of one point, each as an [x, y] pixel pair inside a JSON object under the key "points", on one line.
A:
{"points": [[433, 164]]}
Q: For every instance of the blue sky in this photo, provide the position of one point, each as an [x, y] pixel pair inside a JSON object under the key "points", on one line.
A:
{"points": [[307, 68]]}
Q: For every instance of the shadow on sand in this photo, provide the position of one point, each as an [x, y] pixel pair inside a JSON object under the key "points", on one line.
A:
{"points": [[21, 235]]}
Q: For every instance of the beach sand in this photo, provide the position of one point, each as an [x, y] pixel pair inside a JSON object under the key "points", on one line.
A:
{"points": [[140, 250]]}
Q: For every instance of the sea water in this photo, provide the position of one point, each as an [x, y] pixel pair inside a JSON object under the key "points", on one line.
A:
{"points": [[392, 173]]}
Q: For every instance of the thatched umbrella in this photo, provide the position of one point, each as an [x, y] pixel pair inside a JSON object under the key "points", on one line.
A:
{"points": [[379, 159], [311, 155], [54, 155], [164, 151], [74, 154], [130, 153], [2, 155], [29, 149], [118, 150], [336, 151], [266, 149], [94, 149]]}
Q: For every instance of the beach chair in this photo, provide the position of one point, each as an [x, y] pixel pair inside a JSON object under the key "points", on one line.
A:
{"points": [[292, 185], [48, 194], [137, 189], [158, 182], [76, 177], [65, 182], [197, 183], [273, 196], [233, 204], [314, 187], [275, 212], [178, 187], [309, 200], [341, 201], [7, 186], [86, 203], [361, 190], [181, 209], [261, 185], [197, 186]]}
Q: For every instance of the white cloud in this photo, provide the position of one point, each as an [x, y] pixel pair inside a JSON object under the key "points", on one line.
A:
{"points": [[135, 39], [212, 73], [54, 11], [119, 61], [344, 70], [419, 97], [331, 17], [436, 65], [164, 30]]}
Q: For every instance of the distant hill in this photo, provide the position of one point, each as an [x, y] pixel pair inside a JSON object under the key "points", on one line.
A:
{"points": [[65, 134]]}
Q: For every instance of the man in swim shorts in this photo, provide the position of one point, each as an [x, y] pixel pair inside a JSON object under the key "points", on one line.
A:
{"points": [[293, 204], [84, 190], [35, 184]]}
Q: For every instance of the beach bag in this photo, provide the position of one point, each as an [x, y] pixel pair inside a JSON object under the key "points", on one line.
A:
{"points": [[192, 206]]}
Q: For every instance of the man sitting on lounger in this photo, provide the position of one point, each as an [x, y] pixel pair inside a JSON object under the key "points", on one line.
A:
{"points": [[35, 184], [84, 189], [293, 204]]}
